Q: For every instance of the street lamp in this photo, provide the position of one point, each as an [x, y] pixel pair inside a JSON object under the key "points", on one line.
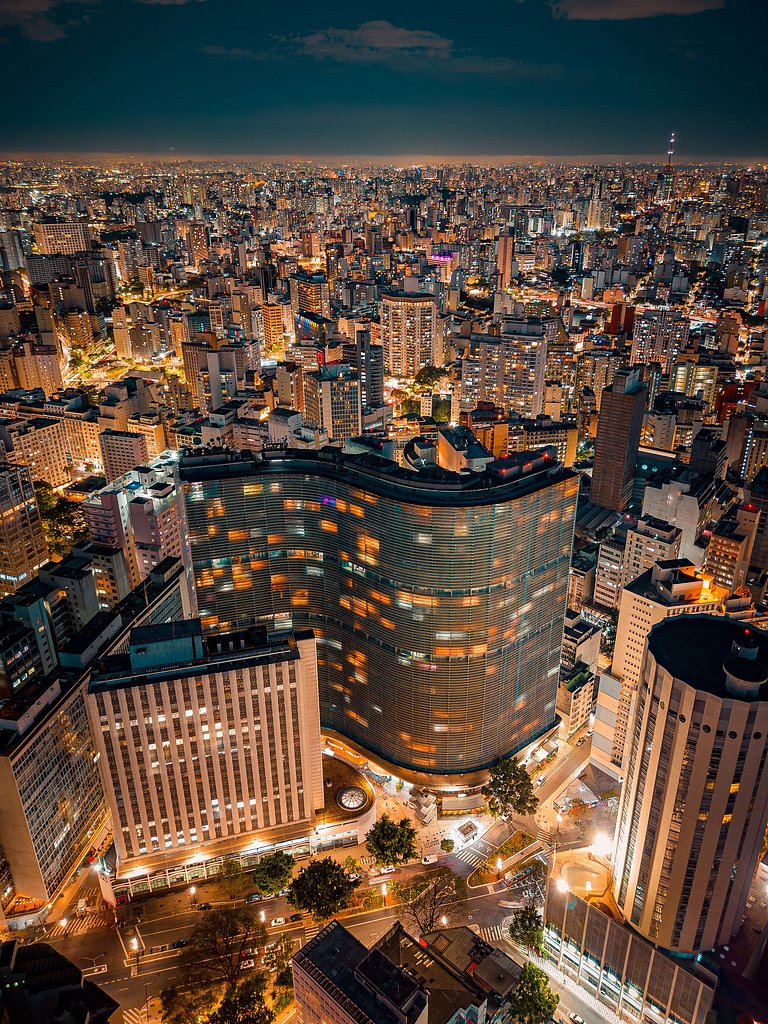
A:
{"points": [[64, 923], [384, 892], [562, 885], [443, 920], [93, 959], [262, 916], [498, 868], [192, 892]]}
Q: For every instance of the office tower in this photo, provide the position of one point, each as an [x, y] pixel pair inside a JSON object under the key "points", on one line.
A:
{"points": [[273, 328], [618, 441], [695, 801], [505, 258], [697, 379], [657, 337], [367, 358], [596, 370], [37, 976], [671, 588], [248, 694], [389, 565], [22, 543], [289, 386], [121, 450], [215, 369], [37, 365], [332, 401], [20, 659], [708, 454], [62, 238], [111, 571], [609, 567], [53, 801], [40, 444], [309, 294], [649, 541], [685, 499], [729, 553], [408, 332], [197, 244], [512, 366], [531, 434]]}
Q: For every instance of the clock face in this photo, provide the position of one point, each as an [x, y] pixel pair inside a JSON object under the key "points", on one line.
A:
{"points": [[351, 797]]}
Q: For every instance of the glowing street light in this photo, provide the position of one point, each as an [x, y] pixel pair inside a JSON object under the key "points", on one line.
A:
{"points": [[601, 845], [443, 920], [192, 892], [562, 885], [498, 868], [64, 923]]}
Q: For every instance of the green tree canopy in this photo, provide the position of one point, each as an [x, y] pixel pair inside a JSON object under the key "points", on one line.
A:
{"points": [[447, 845], [526, 927], [180, 1006], [509, 789], [243, 1005], [532, 1000], [391, 842], [273, 872], [428, 376], [429, 898], [231, 875], [215, 950], [321, 888]]}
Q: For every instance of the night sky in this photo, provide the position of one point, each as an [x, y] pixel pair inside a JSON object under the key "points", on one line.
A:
{"points": [[564, 77]]}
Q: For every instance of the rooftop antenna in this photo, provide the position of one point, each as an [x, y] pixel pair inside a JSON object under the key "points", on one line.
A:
{"points": [[671, 151]]}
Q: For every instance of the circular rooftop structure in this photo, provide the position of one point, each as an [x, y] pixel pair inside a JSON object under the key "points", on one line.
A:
{"points": [[352, 798]]}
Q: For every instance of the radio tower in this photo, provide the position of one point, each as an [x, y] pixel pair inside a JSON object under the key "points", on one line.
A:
{"points": [[668, 175]]}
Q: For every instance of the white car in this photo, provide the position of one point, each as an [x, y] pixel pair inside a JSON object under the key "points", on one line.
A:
{"points": [[277, 921], [576, 1018], [248, 965], [388, 871]]}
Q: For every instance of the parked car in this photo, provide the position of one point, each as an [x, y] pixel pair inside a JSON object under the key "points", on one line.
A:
{"points": [[388, 871], [295, 917], [253, 897], [276, 922], [429, 859], [179, 944], [576, 1018], [248, 965], [541, 780], [204, 906]]}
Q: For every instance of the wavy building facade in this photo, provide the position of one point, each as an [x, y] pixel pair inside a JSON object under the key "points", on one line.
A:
{"points": [[437, 599]]}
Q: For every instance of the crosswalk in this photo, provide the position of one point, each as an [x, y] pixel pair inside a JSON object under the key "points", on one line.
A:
{"points": [[77, 926], [470, 857], [135, 1016], [311, 931], [492, 934], [544, 835]]}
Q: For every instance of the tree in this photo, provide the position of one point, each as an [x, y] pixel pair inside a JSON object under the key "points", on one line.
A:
{"points": [[282, 966], [447, 845], [526, 927], [351, 865], [231, 875], [431, 897], [321, 888], [428, 376], [509, 789], [273, 872], [179, 1006], [215, 950], [391, 842], [244, 1005], [532, 1000]]}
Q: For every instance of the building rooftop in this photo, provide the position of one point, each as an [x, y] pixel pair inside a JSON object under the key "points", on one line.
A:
{"points": [[694, 648]]}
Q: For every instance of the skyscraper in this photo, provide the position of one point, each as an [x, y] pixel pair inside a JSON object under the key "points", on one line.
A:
{"points": [[332, 400], [505, 255], [695, 800], [438, 604], [408, 332], [206, 744], [618, 440], [657, 337], [23, 549]]}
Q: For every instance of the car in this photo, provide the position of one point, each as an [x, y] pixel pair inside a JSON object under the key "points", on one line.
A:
{"points": [[354, 876], [541, 780], [429, 859], [283, 892], [253, 897], [276, 922], [590, 731], [388, 871], [248, 951], [204, 906], [248, 965], [179, 944], [295, 917], [269, 947], [576, 1018]]}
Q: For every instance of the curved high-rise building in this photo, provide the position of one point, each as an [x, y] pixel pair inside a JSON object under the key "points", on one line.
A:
{"points": [[695, 801], [437, 598]]}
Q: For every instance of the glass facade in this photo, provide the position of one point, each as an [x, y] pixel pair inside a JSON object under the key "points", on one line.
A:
{"points": [[437, 603]]}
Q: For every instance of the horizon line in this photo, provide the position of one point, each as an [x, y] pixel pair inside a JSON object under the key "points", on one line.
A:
{"points": [[489, 159]]}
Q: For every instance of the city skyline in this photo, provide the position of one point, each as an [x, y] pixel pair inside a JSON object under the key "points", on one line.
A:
{"points": [[540, 80]]}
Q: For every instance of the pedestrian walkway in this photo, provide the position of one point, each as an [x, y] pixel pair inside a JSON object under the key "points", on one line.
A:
{"points": [[492, 934], [311, 931], [135, 1016], [77, 926], [544, 835], [469, 857]]}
